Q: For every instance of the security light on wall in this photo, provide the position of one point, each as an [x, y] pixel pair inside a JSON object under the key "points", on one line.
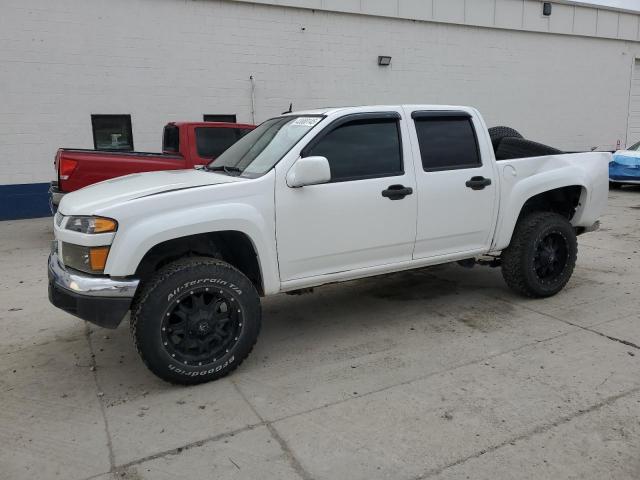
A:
{"points": [[384, 61], [546, 9]]}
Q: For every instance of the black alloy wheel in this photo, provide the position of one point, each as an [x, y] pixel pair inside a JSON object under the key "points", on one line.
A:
{"points": [[550, 259], [201, 326]]}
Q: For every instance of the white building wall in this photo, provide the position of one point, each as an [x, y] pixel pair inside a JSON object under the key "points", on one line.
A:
{"points": [[163, 60]]}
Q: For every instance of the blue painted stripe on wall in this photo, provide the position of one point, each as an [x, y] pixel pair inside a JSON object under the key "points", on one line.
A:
{"points": [[26, 200]]}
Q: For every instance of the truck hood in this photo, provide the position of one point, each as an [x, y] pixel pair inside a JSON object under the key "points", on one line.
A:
{"points": [[88, 200]]}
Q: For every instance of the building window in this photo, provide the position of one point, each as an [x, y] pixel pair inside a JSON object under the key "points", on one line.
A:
{"points": [[112, 132], [220, 118]]}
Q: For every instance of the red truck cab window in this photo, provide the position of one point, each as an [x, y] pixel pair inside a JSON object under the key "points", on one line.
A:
{"points": [[211, 142]]}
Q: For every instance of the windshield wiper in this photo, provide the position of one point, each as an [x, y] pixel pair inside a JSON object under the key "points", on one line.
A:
{"points": [[226, 169]]}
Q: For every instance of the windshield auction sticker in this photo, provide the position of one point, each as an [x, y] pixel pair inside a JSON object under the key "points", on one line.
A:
{"points": [[306, 121]]}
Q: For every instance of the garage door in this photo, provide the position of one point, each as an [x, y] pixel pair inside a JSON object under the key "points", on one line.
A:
{"points": [[633, 133]]}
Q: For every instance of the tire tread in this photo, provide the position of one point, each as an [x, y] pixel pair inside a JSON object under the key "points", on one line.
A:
{"points": [[513, 270], [160, 277]]}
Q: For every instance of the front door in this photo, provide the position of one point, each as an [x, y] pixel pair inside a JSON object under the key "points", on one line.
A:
{"points": [[365, 216]]}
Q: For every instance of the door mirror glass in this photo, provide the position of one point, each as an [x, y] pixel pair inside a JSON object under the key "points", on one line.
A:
{"points": [[309, 171]]}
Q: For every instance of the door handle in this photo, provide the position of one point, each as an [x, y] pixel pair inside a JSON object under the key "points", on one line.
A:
{"points": [[397, 192], [478, 183]]}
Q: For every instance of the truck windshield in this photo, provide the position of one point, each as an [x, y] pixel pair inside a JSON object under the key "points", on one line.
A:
{"points": [[259, 150]]}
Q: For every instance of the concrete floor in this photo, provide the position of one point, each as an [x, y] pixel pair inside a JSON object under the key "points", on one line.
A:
{"points": [[440, 373]]}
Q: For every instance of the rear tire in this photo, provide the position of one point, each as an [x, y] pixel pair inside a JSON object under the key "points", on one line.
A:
{"points": [[196, 320], [541, 256], [615, 186]]}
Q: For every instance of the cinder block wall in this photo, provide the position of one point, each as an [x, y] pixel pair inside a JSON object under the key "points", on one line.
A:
{"points": [[163, 60]]}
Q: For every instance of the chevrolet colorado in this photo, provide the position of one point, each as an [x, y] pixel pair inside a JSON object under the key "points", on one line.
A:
{"points": [[306, 199]]}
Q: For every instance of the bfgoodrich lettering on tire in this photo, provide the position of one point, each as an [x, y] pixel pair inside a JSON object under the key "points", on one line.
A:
{"points": [[196, 320], [541, 256]]}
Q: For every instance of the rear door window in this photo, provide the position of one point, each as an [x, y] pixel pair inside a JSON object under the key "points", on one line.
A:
{"points": [[447, 142]]}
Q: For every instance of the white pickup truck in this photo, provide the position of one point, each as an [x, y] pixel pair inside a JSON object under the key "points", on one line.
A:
{"points": [[306, 199]]}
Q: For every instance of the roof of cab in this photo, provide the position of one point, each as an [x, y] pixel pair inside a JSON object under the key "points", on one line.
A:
{"points": [[363, 108]]}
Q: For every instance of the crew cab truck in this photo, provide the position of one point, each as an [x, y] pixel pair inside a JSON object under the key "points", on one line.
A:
{"points": [[307, 199], [184, 145]]}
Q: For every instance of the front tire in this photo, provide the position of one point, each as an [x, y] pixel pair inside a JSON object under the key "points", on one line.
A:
{"points": [[541, 256], [196, 320]]}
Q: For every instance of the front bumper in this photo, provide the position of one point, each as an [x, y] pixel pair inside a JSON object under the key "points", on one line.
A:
{"points": [[99, 300], [55, 196]]}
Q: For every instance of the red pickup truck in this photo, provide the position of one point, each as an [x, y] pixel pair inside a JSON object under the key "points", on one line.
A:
{"points": [[184, 145]]}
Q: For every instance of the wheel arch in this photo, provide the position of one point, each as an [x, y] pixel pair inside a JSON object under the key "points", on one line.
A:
{"points": [[566, 199], [225, 223], [232, 246]]}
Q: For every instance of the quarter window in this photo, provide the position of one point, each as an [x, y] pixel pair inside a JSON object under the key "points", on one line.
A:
{"points": [[362, 149], [447, 143], [171, 139], [112, 132]]}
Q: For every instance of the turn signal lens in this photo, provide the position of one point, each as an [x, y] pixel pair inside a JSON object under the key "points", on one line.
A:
{"points": [[103, 225], [84, 259], [98, 258]]}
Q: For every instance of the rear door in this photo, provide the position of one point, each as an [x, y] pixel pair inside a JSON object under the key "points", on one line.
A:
{"points": [[455, 175]]}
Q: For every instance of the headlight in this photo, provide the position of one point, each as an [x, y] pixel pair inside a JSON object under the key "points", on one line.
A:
{"points": [[91, 224], [85, 259]]}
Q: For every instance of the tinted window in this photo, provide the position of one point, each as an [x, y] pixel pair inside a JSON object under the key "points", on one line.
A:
{"points": [[211, 142], [447, 143], [362, 149], [112, 132], [171, 139]]}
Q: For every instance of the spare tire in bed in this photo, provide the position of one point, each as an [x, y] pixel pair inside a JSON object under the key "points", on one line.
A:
{"points": [[498, 133], [512, 147]]}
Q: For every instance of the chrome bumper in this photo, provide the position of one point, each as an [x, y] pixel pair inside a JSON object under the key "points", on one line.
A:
{"points": [[87, 284], [100, 300]]}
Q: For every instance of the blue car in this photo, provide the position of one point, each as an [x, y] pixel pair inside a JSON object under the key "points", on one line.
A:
{"points": [[624, 169]]}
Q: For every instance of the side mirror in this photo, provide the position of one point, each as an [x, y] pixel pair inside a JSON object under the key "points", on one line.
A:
{"points": [[309, 171]]}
